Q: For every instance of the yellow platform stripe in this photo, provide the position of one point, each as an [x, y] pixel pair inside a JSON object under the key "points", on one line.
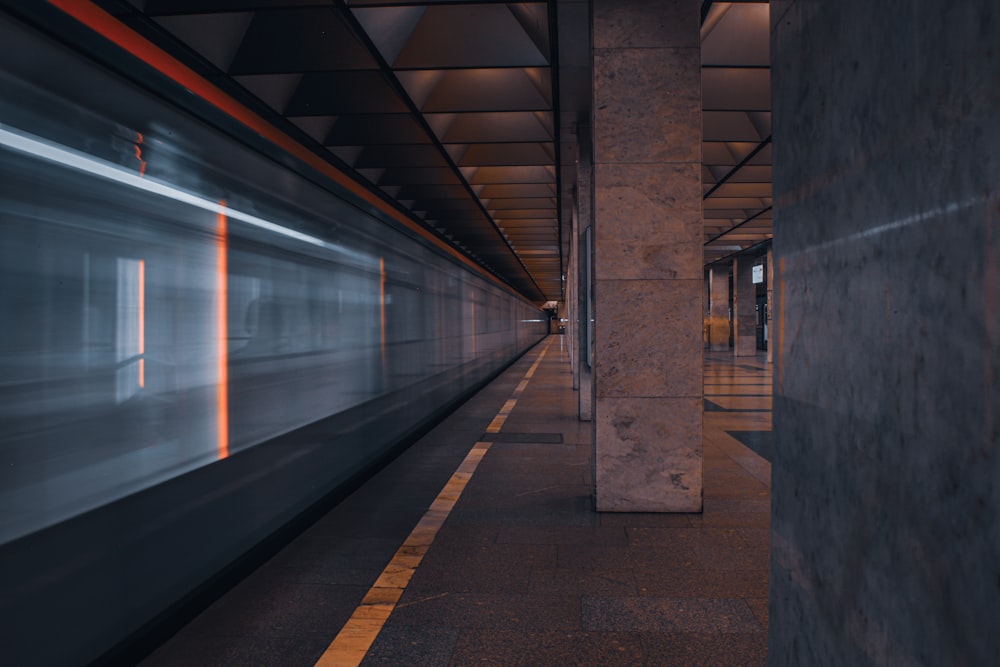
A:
{"points": [[354, 640]]}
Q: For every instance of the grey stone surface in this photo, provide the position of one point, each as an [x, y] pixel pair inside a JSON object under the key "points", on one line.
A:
{"points": [[886, 524]]}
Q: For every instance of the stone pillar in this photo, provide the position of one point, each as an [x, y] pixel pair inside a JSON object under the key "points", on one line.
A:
{"points": [[744, 308], [706, 302], [572, 335], [769, 315], [648, 255], [584, 252], [886, 502], [718, 291]]}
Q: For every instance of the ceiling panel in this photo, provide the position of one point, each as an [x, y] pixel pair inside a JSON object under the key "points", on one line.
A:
{"points": [[435, 104], [736, 149], [323, 42]]}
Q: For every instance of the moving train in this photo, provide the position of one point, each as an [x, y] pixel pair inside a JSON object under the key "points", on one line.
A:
{"points": [[201, 341]]}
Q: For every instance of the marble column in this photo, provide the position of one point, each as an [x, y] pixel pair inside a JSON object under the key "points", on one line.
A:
{"points": [[718, 292], [648, 255], [744, 308], [886, 471]]}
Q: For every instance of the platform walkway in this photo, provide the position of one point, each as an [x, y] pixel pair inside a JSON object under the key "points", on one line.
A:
{"points": [[522, 571]]}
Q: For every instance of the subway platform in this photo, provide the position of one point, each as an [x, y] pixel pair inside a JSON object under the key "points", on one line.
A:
{"points": [[479, 545]]}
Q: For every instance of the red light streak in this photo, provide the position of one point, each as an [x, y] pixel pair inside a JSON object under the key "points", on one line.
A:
{"points": [[222, 323]]}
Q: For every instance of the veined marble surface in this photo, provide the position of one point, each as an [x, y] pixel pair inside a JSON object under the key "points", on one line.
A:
{"points": [[886, 478]]}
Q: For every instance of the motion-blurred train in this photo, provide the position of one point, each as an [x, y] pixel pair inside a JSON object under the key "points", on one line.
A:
{"points": [[200, 341]]}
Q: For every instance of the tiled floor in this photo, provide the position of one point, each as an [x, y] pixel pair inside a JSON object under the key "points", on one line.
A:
{"points": [[524, 572]]}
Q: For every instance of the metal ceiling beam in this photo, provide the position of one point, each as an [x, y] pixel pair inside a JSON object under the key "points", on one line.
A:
{"points": [[557, 127], [737, 226], [739, 252], [742, 163]]}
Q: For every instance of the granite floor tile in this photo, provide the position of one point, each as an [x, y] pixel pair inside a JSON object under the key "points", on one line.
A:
{"points": [[549, 648], [693, 582], [661, 614], [427, 646], [732, 520], [591, 557], [223, 651], [485, 611], [595, 535], [647, 519], [561, 581], [278, 609], [710, 537], [705, 650], [471, 577]]}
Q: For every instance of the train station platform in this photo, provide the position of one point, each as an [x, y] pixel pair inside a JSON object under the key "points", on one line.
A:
{"points": [[479, 545]]}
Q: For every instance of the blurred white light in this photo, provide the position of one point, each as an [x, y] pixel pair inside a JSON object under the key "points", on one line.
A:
{"points": [[74, 159]]}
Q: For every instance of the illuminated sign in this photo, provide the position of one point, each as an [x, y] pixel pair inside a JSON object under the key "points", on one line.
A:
{"points": [[758, 274]]}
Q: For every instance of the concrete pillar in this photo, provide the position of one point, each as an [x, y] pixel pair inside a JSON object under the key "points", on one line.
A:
{"points": [[886, 502], [718, 291], [744, 308], [648, 255]]}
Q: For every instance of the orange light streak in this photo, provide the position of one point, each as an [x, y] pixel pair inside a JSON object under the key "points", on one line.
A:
{"points": [[381, 266], [104, 24], [475, 351], [138, 154], [222, 320], [142, 323]]}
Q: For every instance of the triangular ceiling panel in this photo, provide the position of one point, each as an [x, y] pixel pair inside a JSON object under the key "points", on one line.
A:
{"points": [[390, 28], [483, 35], [301, 40], [215, 36]]}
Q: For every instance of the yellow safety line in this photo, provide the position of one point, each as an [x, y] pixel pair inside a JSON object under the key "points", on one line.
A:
{"points": [[354, 640]]}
